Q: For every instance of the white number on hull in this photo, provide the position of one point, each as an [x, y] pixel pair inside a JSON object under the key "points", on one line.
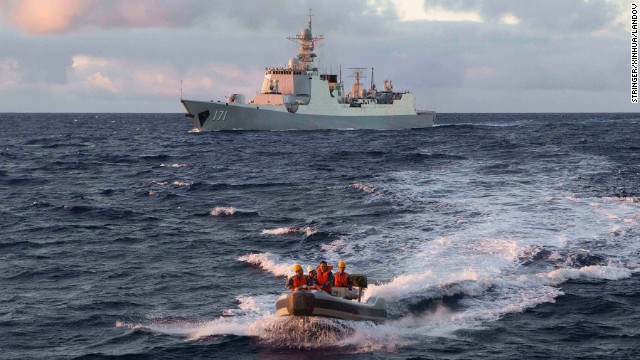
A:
{"points": [[219, 115]]}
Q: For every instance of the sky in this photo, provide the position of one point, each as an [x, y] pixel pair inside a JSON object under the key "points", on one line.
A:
{"points": [[454, 55]]}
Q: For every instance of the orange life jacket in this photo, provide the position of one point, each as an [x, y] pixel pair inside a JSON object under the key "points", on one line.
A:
{"points": [[298, 281], [323, 277], [341, 279]]}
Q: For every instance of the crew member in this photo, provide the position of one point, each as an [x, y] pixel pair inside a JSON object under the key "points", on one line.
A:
{"points": [[298, 279], [324, 279], [311, 277], [341, 278]]}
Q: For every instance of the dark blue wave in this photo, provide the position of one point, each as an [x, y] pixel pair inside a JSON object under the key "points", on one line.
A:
{"points": [[94, 231]]}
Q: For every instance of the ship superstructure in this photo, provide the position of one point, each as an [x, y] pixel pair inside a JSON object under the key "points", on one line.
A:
{"points": [[299, 97]]}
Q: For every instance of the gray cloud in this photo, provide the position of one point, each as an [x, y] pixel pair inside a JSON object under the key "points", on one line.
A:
{"points": [[553, 16], [450, 66]]}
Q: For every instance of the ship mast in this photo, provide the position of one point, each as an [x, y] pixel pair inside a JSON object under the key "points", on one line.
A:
{"points": [[357, 91], [372, 88], [307, 45]]}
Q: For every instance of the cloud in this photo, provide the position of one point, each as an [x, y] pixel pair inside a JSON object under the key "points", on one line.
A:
{"points": [[412, 10], [58, 17], [10, 74], [100, 81], [215, 81], [561, 17], [82, 62], [39, 17], [509, 19], [624, 15], [137, 78], [108, 81], [222, 47]]}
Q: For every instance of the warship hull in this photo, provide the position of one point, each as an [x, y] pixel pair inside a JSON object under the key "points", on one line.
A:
{"points": [[225, 116], [298, 97]]}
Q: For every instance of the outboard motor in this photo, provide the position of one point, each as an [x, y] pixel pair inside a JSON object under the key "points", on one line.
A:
{"points": [[359, 281]]}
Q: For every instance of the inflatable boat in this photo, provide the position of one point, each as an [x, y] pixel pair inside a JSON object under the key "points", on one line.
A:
{"points": [[342, 303]]}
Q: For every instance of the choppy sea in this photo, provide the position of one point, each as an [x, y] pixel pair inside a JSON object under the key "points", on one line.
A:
{"points": [[499, 236]]}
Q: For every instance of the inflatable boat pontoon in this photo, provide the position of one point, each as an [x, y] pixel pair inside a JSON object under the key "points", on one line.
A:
{"points": [[341, 304]]}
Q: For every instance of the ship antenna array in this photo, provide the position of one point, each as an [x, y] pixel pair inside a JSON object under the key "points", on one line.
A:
{"points": [[307, 43], [358, 72]]}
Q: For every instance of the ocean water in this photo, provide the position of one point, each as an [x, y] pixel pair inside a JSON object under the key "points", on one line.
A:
{"points": [[502, 236]]}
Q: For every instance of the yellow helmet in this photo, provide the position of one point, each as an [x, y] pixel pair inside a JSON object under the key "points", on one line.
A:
{"points": [[342, 264], [297, 267]]}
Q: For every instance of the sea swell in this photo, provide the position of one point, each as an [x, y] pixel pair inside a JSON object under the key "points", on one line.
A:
{"points": [[490, 235]]}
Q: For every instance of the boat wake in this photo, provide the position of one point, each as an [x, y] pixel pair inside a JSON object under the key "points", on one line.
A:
{"points": [[487, 259], [434, 311], [280, 332]]}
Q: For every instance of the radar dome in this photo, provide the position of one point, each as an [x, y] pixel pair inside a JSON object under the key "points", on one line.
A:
{"points": [[294, 63]]}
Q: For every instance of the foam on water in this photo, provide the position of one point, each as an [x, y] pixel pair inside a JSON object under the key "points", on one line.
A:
{"points": [[485, 259], [181, 183], [308, 231], [254, 314], [270, 263], [222, 211], [490, 259], [362, 187], [284, 332], [280, 231], [495, 250]]}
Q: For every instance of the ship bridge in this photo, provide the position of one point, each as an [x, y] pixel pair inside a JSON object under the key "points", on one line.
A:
{"points": [[292, 80]]}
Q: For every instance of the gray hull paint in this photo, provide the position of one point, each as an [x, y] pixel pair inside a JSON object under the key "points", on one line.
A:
{"points": [[222, 116], [319, 303]]}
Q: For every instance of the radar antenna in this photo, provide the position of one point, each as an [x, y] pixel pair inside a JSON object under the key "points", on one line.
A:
{"points": [[307, 45], [356, 89]]}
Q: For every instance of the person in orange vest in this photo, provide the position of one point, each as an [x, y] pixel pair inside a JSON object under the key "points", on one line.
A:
{"points": [[341, 278], [324, 279], [298, 279]]}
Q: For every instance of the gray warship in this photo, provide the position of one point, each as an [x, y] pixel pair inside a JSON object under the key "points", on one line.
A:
{"points": [[299, 97]]}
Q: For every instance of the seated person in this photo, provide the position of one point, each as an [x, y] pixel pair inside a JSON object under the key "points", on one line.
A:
{"points": [[311, 277], [341, 278], [324, 278], [298, 279]]}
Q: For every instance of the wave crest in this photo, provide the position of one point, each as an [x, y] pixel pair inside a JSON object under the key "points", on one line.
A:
{"points": [[269, 262], [290, 230], [222, 211], [362, 187]]}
